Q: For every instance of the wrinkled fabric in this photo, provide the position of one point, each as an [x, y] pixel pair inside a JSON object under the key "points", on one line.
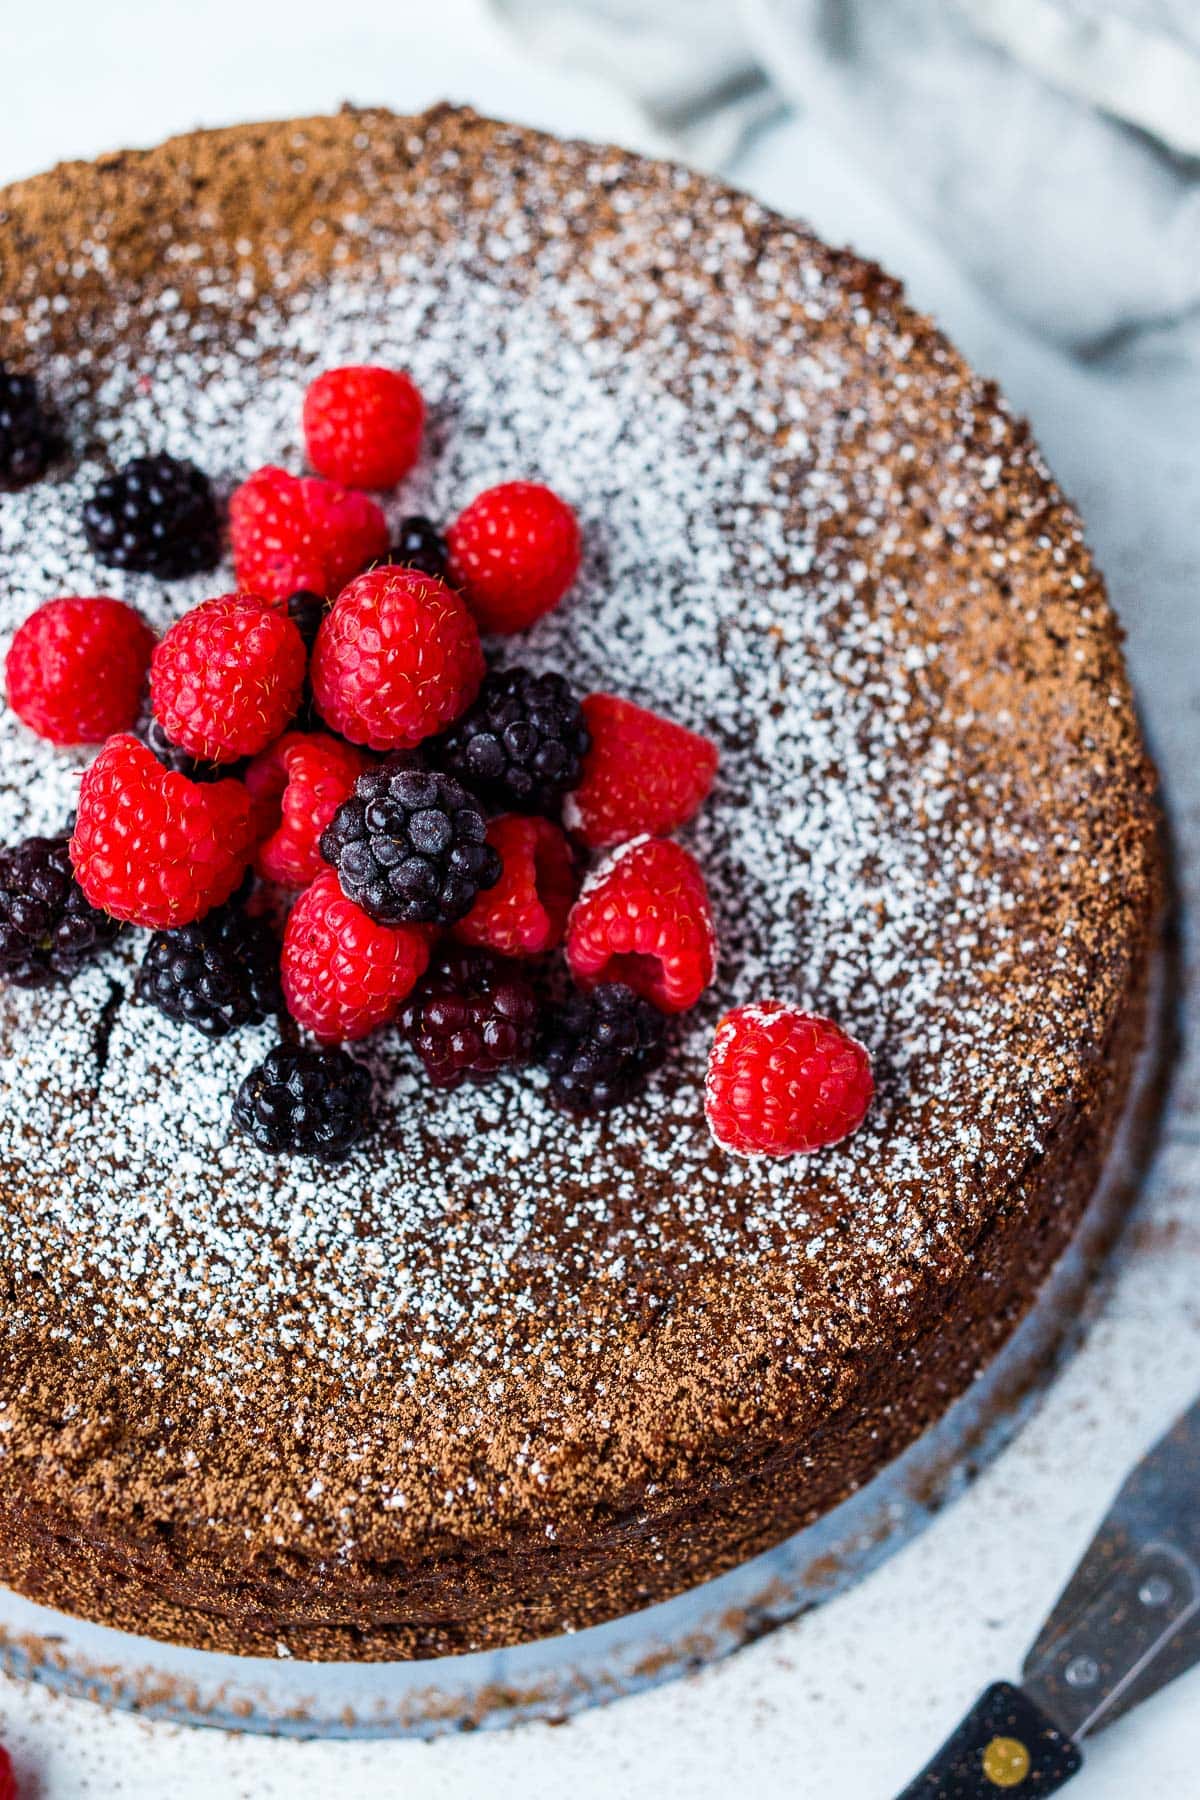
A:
{"points": [[1052, 145]]}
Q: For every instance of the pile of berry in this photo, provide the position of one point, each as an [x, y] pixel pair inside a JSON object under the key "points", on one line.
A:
{"points": [[331, 735]]}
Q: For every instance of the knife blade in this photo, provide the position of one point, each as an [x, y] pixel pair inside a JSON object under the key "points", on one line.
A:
{"points": [[1126, 1623]]}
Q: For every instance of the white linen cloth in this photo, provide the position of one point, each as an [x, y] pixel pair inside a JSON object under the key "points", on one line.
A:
{"points": [[1053, 145]]}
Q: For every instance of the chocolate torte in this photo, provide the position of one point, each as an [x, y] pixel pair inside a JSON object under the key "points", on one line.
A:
{"points": [[501, 1373]]}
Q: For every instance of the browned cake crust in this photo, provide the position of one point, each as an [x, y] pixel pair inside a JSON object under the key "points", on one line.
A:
{"points": [[504, 1375]]}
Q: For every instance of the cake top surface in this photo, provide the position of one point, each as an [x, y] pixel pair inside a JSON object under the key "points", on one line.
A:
{"points": [[810, 532]]}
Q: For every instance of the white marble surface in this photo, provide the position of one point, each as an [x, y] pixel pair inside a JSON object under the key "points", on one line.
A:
{"points": [[848, 1701]]}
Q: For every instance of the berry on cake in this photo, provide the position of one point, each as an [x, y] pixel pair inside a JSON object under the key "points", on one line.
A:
{"points": [[781, 1082], [434, 884]]}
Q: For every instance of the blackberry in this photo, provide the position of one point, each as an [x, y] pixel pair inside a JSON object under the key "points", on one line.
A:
{"points": [[410, 846], [47, 929], [306, 610], [602, 1047], [420, 545], [217, 974], [156, 516], [29, 436], [523, 742], [471, 1015], [312, 1102]]}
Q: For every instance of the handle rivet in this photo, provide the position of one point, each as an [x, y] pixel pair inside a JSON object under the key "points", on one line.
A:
{"points": [[1155, 1591], [1006, 1762], [1082, 1672]]}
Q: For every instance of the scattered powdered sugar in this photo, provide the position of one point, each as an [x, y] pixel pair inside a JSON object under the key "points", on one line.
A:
{"points": [[477, 1231]]}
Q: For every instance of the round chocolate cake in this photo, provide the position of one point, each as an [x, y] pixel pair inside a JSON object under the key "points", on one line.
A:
{"points": [[504, 1373]]}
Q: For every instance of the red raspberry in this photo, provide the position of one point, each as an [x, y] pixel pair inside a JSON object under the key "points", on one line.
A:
{"points": [[343, 975], [363, 425], [781, 1081], [514, 553], [8, 1781], [297, 786], [153, 847], [643, 918], [293, 532], [526, 912], [75, 669], [642, 776], [227, 677], [396, 659]]}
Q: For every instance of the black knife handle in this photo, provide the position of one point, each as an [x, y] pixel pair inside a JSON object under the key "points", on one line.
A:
{"points": [[1006, 1746]]}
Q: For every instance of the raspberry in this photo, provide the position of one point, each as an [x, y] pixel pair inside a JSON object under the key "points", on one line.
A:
{"points": [[781, 1081], [293, 531], [297, 786], [526, 912], [29, 436], [363, 425], [156, 516], [75, 669], [147, 729], [47, 928], [397, 660], [218, 973], [152, 847], [602, 1048], [410, 846], [311, 1102], [344, 975], [514, 552], [521, 744], [8, 1781], [227, 677], [420, 545], [642, 776], [473, 1015], [643, 919]]}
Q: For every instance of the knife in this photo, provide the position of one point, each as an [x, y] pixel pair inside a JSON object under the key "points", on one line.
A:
{"points": [[1127, 1622]]}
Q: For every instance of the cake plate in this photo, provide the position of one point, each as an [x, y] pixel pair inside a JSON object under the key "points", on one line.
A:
{"points": [[554, 1677]]}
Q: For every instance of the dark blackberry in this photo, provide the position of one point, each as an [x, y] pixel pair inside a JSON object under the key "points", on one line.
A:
{"points": [[410, 846], [311, 1102], [217, 974], [471, 1015], [420, 545], [306, 611], [47, 929], [29, 435], [602, 1047], [156, 516], [151, 733], [523, 742]]}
